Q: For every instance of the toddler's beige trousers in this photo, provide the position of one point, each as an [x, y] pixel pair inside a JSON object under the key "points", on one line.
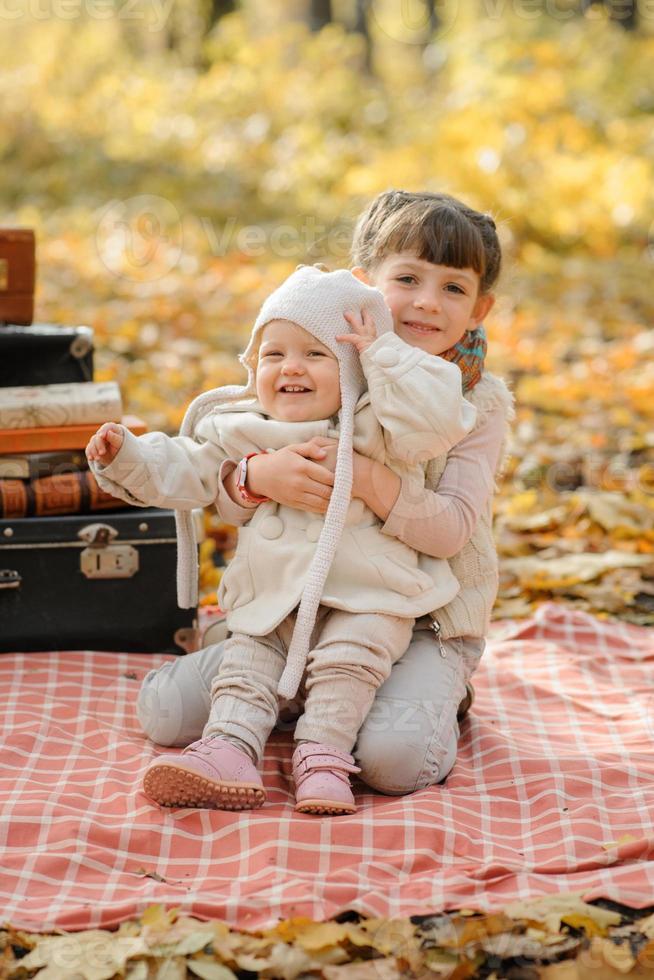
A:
{"points": [[350, 657]]}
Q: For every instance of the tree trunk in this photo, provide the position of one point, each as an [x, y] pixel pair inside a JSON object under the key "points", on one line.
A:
{"points": [[320, 13], [433, 17], [361, 27]]}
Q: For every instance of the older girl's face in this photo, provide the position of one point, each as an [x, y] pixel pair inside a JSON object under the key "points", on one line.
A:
{"points": [[432, 305], [297, 377]]}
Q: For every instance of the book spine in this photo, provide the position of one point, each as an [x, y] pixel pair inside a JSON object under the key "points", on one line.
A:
{"points": [[20, 441], [34, 465], [41, 439], [57, 405], [55, 464], [69, 493]]}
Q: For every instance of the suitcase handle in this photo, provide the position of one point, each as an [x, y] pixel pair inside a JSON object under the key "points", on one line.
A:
{"points": [[80, 347]]}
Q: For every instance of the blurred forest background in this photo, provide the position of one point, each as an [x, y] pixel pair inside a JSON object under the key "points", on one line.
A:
{"points": [[177, 158]]}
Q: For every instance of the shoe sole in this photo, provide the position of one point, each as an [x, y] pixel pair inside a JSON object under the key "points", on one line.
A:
{"points": [[170, 786], [322, 806]]}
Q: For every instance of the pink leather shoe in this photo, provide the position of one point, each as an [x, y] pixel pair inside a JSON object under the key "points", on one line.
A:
{"points": [[210, 773], [322, 785]]}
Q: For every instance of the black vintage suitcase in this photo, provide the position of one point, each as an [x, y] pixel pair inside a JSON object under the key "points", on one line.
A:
{"points": [[45, 354], [104, 581]]}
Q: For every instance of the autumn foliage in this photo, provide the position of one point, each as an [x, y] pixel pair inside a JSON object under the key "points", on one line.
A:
{"points": [[173, 187]]}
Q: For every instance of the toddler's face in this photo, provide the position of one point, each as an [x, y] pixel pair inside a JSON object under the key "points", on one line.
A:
{"points": [[432, 305], [290, 358]]}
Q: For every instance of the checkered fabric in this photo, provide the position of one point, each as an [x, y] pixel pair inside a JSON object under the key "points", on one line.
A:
{"points": [[555, 768]]}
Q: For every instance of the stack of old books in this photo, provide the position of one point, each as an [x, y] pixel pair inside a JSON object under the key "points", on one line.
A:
{"points": [[43, 432], [63, 567]]}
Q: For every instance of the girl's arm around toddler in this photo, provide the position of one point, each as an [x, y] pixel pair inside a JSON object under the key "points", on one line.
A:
{"points": [[436, 522]]}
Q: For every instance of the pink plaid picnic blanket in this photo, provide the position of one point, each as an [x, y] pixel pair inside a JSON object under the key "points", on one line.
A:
{"points": [[552, 791]]}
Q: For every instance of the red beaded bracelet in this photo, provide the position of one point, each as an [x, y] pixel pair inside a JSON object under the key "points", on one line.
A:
{"points": [[241, 477]]}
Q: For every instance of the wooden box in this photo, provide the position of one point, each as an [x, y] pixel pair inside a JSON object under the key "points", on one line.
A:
{"points": [[17, 275]]}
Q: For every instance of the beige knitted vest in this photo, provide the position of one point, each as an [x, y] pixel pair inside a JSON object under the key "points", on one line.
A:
{"points": [[476, 565]]}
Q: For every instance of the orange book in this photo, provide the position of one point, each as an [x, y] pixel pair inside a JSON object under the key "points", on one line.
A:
{"points": [[46, 438]]}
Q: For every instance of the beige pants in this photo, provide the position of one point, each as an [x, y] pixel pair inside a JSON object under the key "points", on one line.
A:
{"points": [[407, 742], [350, 657]]}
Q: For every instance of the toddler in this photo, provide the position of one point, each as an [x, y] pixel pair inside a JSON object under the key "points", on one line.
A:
{"points": [[337, 597]]}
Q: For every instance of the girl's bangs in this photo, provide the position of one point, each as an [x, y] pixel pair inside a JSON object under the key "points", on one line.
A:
{"points": [[441, 236]]}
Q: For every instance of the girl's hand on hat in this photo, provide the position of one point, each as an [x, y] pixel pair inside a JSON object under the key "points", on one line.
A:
{"points": [[364, 330], [105, 445], [295, 476]]}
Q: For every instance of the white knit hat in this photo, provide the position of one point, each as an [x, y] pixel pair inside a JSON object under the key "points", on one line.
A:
{"points": [[316, 301]]}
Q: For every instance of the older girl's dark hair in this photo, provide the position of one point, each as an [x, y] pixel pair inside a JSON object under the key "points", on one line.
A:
{"points": [[435, 227]]}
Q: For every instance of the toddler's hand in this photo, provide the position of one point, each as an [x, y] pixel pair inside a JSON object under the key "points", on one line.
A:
{"points": [[365, 332], [105, 445]]}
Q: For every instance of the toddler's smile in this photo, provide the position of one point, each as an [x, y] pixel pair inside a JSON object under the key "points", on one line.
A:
{"points": [[297, 377]]}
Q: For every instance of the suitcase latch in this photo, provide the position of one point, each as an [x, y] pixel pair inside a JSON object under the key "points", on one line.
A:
{"points": [[103, 559], [9, 578], [80, 347]]}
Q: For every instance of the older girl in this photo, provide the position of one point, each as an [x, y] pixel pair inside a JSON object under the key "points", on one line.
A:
{"points": [[436, 262]]}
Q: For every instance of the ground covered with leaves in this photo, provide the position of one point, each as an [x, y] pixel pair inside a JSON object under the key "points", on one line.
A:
{"points": [[559, 938]]}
